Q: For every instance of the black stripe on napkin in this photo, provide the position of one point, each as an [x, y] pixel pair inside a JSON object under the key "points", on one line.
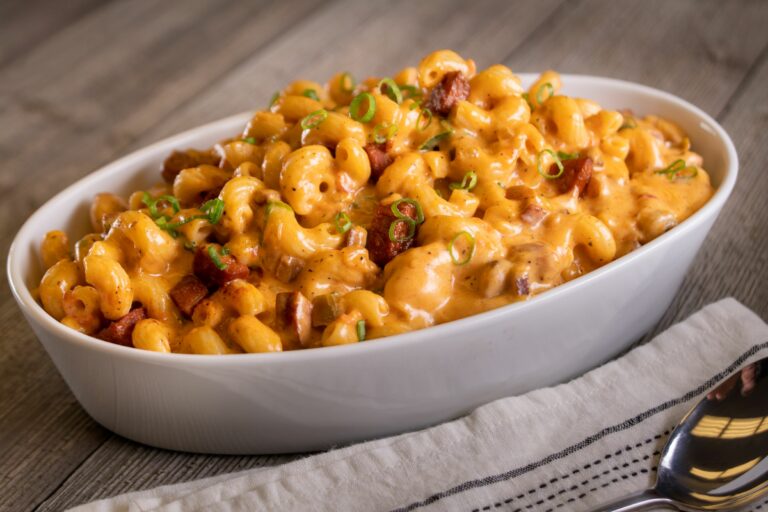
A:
{"points": [[507, 475]]}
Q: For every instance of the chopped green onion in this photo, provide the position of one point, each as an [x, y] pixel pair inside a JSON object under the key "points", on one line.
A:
{"points": [[527, 100], [432, 143], [274, 99], [413, 106], [216, 258], [354, 107], [411, 229], [361, 330], [557, 161], [380, 136], [411, 92], [250, 140], [190, 245], [470, 252], [152, 203], [407, 200], [343, 222], [425, 114], [213, 210], [311, 94], [541, 89], [628, 123], [393, 90], [677, 168], [345, 79], [314, 119], [468, 182], [271, 205], [567, 156]]}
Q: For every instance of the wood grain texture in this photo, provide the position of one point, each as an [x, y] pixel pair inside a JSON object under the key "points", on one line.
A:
{"points": [[78, 97]]}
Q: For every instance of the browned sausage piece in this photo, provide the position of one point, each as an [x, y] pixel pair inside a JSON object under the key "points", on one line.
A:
{"points": [[120, 331], [187, 293], [293, 313], [357, 235], [210, 274], [180, 160], [576, 173], [288, 268], [380, 248], [325, 309], [453, 88], [379, 158]]}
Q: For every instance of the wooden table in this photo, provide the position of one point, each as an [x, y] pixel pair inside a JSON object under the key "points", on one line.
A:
{"points": [[85, 81]]}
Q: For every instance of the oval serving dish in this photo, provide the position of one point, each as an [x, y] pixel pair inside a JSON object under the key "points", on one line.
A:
{"points": [[312, 399]]}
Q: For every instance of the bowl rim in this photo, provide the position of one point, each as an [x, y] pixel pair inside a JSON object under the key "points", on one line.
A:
{"points": [[35, 312]]}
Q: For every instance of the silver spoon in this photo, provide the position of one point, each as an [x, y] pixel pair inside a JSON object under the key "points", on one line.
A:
{"points": [[717, 456]]}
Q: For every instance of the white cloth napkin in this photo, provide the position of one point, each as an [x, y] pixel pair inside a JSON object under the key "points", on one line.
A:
{"points": [[565, 448]]}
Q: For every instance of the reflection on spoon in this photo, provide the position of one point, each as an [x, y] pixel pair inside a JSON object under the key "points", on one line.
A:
{"points": [[717, 457]]}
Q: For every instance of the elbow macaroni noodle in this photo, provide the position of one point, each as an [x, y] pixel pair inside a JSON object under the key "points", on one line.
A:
{"points": [[519, 190]]}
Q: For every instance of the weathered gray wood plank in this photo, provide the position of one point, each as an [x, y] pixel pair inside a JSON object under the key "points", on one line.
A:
{"points": [[26, 23], [74, 102]]}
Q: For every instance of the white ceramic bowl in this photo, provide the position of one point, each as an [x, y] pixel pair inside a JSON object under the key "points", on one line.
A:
{"points": [[313, 399]]}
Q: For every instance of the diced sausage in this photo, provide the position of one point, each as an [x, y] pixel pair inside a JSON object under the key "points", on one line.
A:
{"points": [[380, 247], [453, 88], [187, 293], [522, 285], [288, 268], [180, 160], [533, 214], [120, 331], [357, 235], [210, 274], [293, 314], [576, 174], [325, 309], [379, 158]]}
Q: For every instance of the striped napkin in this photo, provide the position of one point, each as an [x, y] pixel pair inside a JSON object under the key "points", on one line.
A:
{"points": [[568, 447]]}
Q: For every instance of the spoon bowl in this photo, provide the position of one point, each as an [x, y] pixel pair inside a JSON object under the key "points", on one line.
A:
{"points": [[717, 456]]}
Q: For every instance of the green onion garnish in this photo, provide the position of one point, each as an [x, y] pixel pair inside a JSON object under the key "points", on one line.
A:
{"points": [[216, 258], [384, 132], [407, 200], [271, 205], [314, 119], [470, 252], [311, 94], [468, 182], [343, 222], [677, 168], [411, 92], [411, 229], [541, 89], [354, 107], [629, 123], [190, 245], [225, 251], [567, 156], [152, 203], [426, 115], [557, 161], [274, 99], [213, 210], [392, 90], [361, 330], [527, 100], [250, 140], [345, 79], [432, 143]]}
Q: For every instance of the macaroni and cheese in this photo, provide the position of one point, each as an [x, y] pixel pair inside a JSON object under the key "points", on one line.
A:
{"points": [[356, 210]]}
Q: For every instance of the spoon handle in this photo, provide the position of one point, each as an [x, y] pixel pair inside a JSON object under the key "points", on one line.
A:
{"points": [[638, 501]]}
